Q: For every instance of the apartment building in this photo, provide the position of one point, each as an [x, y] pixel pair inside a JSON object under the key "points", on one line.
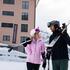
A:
{"points": [[17, 18]]}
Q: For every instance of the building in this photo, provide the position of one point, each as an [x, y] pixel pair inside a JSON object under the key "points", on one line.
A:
{"points": [[17, 18]]}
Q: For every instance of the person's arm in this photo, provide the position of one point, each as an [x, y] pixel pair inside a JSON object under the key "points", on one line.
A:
{"points": [[43, 55], [65, 34], [28, 49], [43, 50], [42, 47], [66, 38]]}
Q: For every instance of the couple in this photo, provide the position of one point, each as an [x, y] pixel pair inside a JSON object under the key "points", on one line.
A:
{"points": [[36, 48]]}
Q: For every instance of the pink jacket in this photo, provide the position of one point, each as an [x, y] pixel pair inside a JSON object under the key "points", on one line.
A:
{"points": [[34, 51]]}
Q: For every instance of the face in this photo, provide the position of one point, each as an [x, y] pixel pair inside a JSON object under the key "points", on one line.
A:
{"points": [[52, 28], [36, 36]]}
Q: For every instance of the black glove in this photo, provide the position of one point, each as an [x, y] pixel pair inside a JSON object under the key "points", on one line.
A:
{"points": [[28, 41], [24, 43], [44, 63]]}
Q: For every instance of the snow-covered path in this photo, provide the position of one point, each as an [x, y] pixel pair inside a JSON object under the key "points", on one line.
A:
{"points": [[9, 65]]}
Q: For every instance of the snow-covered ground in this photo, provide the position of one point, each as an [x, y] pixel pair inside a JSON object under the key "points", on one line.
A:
{"points": [[16, 60], [14, 55], [7, 65]]}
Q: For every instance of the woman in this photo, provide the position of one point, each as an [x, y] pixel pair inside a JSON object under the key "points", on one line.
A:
{"points": [[34, 50]]}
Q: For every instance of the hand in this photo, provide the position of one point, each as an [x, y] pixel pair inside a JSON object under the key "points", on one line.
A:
{"points": [[25, 44], [28, 40]]}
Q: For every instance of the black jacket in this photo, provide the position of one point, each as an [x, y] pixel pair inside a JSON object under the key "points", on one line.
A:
{"points": [[60, 50]]}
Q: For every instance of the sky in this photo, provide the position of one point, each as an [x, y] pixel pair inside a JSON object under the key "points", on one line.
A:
{"points": [[48, 10]]}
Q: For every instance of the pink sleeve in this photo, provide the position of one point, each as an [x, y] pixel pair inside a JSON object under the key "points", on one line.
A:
{"points": [[43, 47], [28, 49]]}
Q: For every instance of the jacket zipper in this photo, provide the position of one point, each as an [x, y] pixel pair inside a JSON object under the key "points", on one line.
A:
{"points": [[35, 49]]}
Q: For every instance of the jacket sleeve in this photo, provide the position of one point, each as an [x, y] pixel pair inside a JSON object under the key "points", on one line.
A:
{"points": [[43, 50], [66, 38], [42, 47], [43, 55], [28, 49]]}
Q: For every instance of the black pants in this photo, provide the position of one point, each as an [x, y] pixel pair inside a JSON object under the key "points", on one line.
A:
{"points": [[31, 66]]}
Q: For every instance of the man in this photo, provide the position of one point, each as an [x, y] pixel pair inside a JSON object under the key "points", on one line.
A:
{"points": [[59, 51]]}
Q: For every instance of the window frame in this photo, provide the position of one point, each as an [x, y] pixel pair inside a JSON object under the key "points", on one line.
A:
{"points": [[25, 4], [6, 37], [25, 26], [7, 25], [25, 16], [8, 1], [8, 13]]}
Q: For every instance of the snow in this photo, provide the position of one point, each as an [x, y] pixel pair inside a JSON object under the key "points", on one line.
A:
{"points": [[12, 61], [14, 55], [7, 65]]}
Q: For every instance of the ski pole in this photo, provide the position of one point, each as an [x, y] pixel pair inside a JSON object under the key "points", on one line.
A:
{"points": [[15, 46]]}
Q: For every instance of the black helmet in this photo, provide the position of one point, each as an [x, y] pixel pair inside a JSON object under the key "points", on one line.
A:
{"points": [[54, 22]]}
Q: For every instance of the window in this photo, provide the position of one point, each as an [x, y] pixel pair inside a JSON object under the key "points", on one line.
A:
{"points": [[8, 13], [6, 38], [25, 4], [25, 16], [9, 25], [24, 27], [8, 1], [22, 38]]}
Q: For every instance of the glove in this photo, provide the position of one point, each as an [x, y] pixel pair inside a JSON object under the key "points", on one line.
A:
{"points": [[44, 63], [24, 44], [28, 41]]}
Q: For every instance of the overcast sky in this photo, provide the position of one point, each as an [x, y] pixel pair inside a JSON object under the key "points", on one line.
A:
{"points": [[48, 10]]}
